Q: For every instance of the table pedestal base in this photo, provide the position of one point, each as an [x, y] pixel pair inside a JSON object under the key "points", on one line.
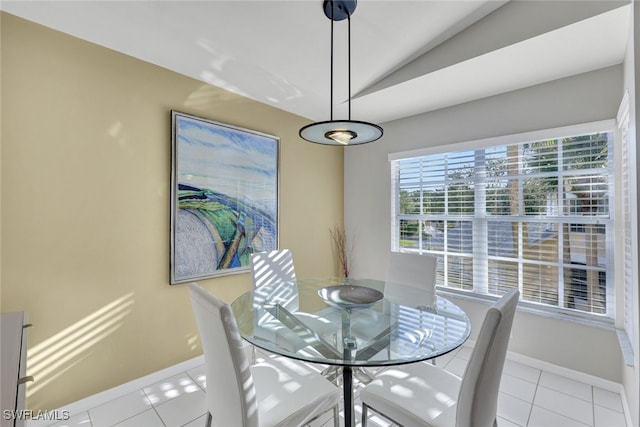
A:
{"points": [[334, 374], [347, 391]]}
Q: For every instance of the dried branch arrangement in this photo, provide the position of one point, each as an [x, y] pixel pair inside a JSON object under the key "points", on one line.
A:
{"points": [[343, 249]]}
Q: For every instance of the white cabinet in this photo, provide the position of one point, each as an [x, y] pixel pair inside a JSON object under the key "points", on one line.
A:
{"points": [[13, 347]]}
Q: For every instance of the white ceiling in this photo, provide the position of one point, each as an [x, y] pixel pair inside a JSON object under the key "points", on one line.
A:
{"points": [[408, 57]]}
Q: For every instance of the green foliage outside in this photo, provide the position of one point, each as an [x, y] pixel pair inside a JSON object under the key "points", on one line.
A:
{"points": [[456, 194]]}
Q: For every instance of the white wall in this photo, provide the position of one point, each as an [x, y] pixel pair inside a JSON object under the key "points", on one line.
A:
{"points": [[584, 98]]}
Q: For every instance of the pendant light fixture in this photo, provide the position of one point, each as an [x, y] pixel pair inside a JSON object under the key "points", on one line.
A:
{"points": [[341, 132]]}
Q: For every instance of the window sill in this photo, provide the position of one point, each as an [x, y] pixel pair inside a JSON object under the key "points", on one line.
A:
{"points": [[583, 319], [625, 346], [537, 309]]}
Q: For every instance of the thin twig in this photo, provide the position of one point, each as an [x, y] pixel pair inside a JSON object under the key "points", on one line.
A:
{"points": [[344, 250]]}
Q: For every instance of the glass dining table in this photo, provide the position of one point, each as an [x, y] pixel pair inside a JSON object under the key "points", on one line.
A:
{"points": [[351, 324]]}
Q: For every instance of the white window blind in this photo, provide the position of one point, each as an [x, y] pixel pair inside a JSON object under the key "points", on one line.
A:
{"points": [[532, 215], [628, 177]]}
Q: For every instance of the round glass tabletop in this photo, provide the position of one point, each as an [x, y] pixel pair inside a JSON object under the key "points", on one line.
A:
{"points": [[314, 320]]}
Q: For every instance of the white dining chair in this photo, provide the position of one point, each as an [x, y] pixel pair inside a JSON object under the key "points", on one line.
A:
{"points": [[411, 281], [412, 270], [420, 394], [271, 267], [267, 270], [278, 392]]}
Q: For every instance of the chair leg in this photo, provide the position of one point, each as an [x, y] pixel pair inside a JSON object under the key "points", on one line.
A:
{"points": [[363, 375], [364, 415], [336, 416], [333, 374], [209, 419]]}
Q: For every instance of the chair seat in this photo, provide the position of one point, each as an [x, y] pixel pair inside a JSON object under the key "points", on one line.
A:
{"points": [[273, 330], [417, 394], [290, 393]]}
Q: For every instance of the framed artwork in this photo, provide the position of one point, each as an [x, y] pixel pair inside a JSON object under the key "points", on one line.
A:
{"points": [[224, 197]]}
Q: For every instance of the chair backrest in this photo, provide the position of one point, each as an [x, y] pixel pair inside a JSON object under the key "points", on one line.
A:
{"points": [[273, 266], [478, 396], [415, 271], [231, 395], [269, 268]]}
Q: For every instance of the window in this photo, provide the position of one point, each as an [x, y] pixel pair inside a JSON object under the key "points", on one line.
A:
{"points": [[533, 215]]}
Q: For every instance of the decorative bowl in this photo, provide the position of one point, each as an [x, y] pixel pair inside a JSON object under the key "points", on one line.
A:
{"points": [[350, 296]]}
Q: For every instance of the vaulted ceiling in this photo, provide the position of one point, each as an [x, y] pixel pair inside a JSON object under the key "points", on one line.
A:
{"points": [[407, 57]]}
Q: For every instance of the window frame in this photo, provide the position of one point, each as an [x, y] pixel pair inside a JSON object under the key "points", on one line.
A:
{"points": [[627, 217], [612, 244]]}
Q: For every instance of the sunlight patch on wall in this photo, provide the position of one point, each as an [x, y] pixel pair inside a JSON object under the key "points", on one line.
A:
{"points": [[207, 97], [59, 353], [192, 341]]}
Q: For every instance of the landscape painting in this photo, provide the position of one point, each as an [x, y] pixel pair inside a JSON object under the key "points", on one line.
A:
{"points": [[224, 197]]}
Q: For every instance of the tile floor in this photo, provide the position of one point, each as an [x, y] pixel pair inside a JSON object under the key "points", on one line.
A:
{"points": [[529, 397]]}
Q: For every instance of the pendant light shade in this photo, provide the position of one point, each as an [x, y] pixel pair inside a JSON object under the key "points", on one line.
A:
{"points": [[341, 132]]}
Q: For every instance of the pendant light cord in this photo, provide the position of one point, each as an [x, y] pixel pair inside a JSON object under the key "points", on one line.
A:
{"points": [[349, 63], [331, 74], [340, 132]]}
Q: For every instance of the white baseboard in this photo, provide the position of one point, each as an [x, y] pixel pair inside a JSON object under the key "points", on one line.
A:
{"points": [[625, 405], [98, 399], [559, 370], [566, 372]]}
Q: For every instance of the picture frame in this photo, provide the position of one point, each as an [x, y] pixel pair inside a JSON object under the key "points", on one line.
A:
{"points": [[224, 197]]}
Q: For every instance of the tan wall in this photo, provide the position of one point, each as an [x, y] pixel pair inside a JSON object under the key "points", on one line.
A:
{"points": [[85, 208]]}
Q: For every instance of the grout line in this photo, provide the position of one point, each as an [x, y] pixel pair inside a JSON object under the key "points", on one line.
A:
{"points": [[593, 406], [533, 399], [190, 421], [566, 393], [158, 414], [564, 414], [153, 405]]}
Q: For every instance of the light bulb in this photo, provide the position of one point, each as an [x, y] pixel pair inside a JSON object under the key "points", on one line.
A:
{"points": [[341, 136]]}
